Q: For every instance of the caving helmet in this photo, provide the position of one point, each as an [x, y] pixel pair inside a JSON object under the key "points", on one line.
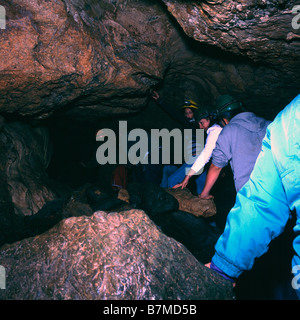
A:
{"points": [[190, 104], [227, 107], [200, 114]]}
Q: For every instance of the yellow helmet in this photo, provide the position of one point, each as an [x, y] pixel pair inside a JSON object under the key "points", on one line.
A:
{"points": [[190, 104]]}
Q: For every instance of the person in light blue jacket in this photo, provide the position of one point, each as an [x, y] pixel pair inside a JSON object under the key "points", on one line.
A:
{"points": [[265, 203]]}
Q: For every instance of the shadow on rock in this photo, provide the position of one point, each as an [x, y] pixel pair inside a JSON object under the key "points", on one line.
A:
{"points": [[83, 202], [195, 233]]}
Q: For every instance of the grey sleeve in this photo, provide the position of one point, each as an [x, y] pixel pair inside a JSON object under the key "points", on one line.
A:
{"points": [[222, 152]]}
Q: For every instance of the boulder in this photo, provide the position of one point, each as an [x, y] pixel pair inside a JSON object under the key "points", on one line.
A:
{"points": [[124, 195], [151, 198], [107, 256], [101, 200], [156, 201], [192, 230], [193, 204]]}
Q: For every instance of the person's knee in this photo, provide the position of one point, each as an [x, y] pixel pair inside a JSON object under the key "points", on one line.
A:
{"points": [[171, 182]]}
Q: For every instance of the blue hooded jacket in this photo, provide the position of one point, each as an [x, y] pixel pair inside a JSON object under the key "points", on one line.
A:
{"points": [[263, 206]]}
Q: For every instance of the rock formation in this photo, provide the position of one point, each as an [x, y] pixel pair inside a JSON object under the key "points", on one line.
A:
{"points": [[107, 256], [256, 29], [90, 59], [25, 155], [259, 49], [25, 186], [96, 56], [192, 204]]}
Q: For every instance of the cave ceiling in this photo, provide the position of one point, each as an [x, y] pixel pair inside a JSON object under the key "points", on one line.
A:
{"points": [[87, 59]]}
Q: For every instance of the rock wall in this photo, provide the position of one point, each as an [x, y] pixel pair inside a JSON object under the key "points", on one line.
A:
{"points": [[25, 155], [261, 30], [248, 49], [89, 59], [98, 56]]}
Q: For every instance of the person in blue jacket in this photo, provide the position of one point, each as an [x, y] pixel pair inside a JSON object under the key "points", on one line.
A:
{"points": [[265, 203]]}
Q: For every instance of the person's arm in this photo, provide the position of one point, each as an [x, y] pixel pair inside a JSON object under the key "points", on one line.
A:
{"points": [[203, 158], [210, 144], [173, 112], [211, 178], [220, 157], [185, 181]]}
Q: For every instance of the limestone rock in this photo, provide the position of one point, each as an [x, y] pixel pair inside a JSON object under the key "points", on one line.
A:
{"points": [[192, 204], [192, 230], [25, 155], [88, 60], [151, 198], [107, 256], [100, 57], [260, 30], [124, 195]]}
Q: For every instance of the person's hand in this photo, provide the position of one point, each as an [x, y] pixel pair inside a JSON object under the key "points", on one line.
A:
{"points": [[183, 184], [155, 95], [205, 196], [177, 186]]}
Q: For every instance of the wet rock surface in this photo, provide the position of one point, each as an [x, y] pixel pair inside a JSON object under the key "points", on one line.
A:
{"points": [[107, 256]]}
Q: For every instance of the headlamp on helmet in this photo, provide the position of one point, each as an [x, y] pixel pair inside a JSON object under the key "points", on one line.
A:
{"points": [[190, 104]]}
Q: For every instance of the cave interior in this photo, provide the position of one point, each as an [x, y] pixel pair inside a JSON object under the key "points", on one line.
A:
{"points": [[75, 67]]}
